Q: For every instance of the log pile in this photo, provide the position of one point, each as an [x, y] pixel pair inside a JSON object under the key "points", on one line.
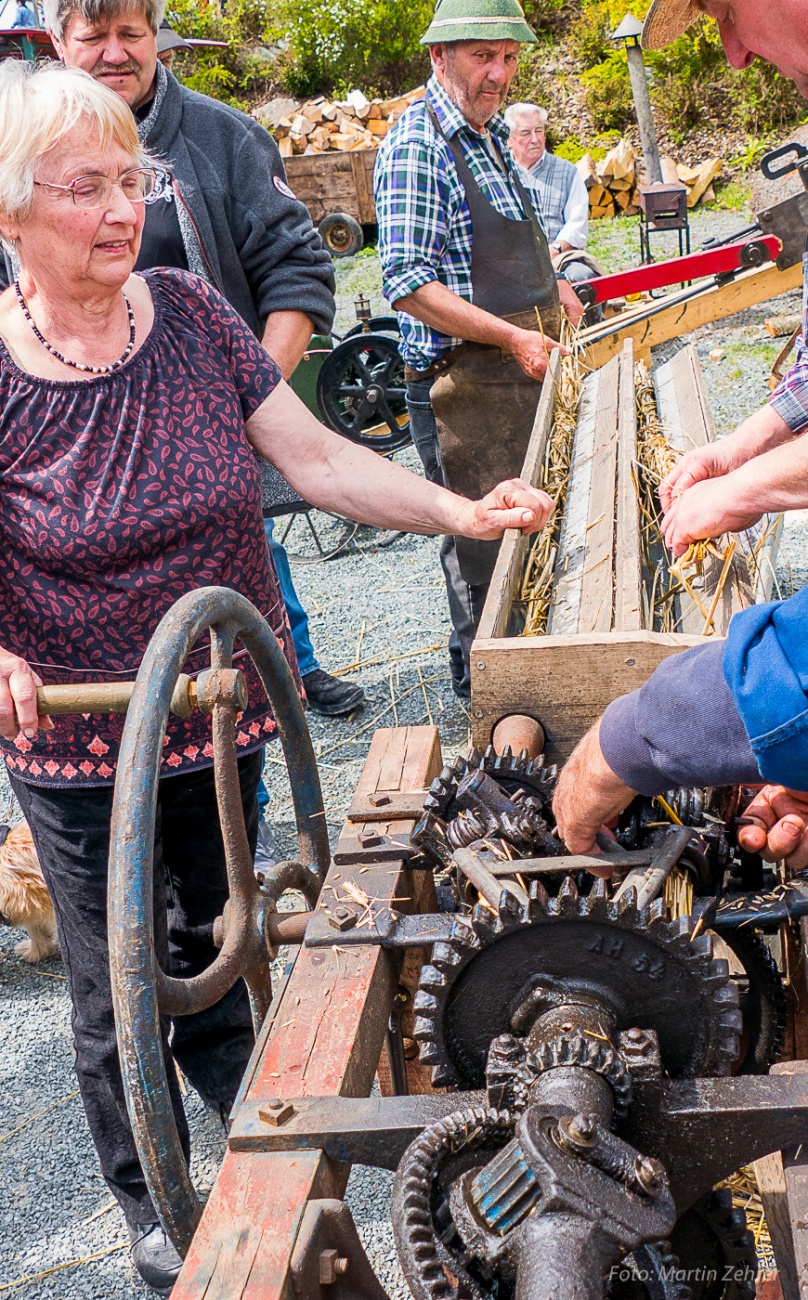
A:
{"points": [[333, 126], [613, 183]]}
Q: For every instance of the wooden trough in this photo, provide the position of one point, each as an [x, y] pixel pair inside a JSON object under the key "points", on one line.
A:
{"points": [[599, 640]]}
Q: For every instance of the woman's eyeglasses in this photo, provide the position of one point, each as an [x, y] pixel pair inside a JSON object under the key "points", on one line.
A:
{"points": [[94, 191]]}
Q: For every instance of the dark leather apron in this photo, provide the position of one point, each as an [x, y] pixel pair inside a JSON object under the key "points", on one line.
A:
{"points": [[484, 403]]}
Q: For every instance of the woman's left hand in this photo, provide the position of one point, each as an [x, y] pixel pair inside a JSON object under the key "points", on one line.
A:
{"points": [[512, 504], [705, 509]]}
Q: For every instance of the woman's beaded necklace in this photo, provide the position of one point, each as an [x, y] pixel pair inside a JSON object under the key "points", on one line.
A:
{"points": [[78, 365]]}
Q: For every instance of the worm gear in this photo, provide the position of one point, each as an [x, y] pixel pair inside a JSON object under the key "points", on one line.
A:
{"points": [[642, 969]]}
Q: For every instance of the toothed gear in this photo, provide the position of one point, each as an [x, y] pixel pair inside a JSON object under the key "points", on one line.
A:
{"points": [[513, 772], [763, 1003], [643, 968], [716, 1250], [576, 1049], [650, 1273], [427, 1263]]}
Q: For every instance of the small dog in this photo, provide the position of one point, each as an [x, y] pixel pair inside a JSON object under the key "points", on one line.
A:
{"points": [[24, 898]]}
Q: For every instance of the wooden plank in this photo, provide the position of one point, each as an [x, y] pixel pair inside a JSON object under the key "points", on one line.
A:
{"points": [[682, 314], [326, 1040], [597, 586], [325, 183], [771, 1181], [507, 577], [627, 558], [564, 681], [570, 564], [363, 183]]}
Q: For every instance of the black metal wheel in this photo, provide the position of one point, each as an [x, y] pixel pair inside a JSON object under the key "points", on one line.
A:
{"points": [[250, 926], [361, 392], [311, 536], [341, 234]]}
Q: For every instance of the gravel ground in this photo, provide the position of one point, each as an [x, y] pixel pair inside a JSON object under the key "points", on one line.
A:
{"points": [[378, 615]]}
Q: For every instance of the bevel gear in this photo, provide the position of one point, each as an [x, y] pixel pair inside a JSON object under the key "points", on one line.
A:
{"points": [[513, 772], [644, 971]]}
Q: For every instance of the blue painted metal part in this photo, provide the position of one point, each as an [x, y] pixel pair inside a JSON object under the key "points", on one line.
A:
{"points": [[505, 1190], [134, 971]]}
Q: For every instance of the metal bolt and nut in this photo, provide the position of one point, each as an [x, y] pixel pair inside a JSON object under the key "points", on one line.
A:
{"points": [[650, 1174], [276, 1112], [342, 917], [579, 1130], [378, 800], [332, 1266], [369, 839]]}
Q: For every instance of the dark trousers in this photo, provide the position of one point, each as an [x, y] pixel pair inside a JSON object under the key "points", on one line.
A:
{"points": [[71, 833], [465, 602]]}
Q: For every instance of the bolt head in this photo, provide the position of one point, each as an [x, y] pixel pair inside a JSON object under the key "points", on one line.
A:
{"points": [[342, 918], [650, 1175], [379, 800], [369, 839], [276, 1112]]}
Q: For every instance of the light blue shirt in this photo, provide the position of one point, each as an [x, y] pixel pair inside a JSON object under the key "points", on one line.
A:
{"points": [[25, 18]]}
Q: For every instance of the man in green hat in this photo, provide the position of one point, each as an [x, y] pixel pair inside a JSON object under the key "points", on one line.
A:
{"points": [[467, 267]]}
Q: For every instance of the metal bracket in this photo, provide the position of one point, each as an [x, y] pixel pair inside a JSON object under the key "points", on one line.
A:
{"points": [[388, 806], [369, 846], [329, 1260]]}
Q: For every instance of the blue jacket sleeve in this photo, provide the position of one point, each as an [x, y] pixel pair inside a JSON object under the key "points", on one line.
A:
{"points": [[766, 668]]}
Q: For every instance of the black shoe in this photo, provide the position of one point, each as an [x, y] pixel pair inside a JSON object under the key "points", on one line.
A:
{"points": [[462, 689], [328, 695], [154, 1256]]}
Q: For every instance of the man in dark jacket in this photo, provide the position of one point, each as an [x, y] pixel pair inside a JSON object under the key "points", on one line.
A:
{"points": [[226, 213], [734, 711]]}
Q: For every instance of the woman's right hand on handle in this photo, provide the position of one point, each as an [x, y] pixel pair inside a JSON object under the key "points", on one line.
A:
{"points": [[18, 686]]}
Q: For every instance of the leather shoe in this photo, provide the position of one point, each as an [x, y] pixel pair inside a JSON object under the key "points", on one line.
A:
{"points": [[330, 696], [154, 1256]]}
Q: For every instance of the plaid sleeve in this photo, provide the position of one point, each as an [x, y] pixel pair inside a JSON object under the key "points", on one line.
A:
{"points": [[412, 206], [790, 397]]}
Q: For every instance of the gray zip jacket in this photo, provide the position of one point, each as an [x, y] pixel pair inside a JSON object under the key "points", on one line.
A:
{"points": [[258, 245]]}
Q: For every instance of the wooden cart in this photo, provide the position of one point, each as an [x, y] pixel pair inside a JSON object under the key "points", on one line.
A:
{"points": [[337, 189]]}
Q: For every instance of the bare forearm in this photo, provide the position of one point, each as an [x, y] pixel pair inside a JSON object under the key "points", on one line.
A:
{"points": [[774, 480], [758, 434], [286, 336], [443, 310]]}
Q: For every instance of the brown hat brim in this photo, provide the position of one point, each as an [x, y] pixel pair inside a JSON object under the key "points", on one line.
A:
{"points": [[667, 19]]}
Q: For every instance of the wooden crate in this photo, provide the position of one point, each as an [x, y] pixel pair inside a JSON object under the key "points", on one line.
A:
{"points": [[596, 648], [335, 182]]}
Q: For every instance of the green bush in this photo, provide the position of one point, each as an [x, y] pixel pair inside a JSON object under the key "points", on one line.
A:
{"points": [[237, 74], [608, 93], [337, 44]]}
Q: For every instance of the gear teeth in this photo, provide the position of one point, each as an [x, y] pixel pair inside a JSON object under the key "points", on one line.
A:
{"points": [[484, 923], [490, 754], [510, 909], [537, 901], [524, 757], [569, 889], [657, 911], [426, 1004], [431, 978]]}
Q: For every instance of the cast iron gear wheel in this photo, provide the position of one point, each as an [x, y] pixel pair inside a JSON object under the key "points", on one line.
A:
{"points": [[763, 1002], [576, 1049], [433, 1272], [649, 1273], [511, 771], [643, 968], [716, 1250]]}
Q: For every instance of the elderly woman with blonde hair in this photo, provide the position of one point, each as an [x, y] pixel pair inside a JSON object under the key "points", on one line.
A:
{"points": [[130, 406]]}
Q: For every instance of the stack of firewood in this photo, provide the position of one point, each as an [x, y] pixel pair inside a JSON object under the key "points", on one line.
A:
{"points": [[333, 126], [613, 183]]}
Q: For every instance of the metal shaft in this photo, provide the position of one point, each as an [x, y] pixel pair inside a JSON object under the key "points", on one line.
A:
{"points": [[645, 116]]}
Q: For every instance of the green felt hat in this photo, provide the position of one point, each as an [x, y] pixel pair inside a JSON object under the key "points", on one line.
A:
{"points": [[478, 20]]}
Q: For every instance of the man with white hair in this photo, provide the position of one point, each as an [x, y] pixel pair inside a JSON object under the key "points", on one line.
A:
{"points": [[561, 197]]}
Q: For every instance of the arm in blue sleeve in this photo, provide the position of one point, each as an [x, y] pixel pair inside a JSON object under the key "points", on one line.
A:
{"points": [[682, 728]]}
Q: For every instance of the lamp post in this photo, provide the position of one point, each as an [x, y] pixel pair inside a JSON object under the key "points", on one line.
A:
{"points": [[629, 33]]}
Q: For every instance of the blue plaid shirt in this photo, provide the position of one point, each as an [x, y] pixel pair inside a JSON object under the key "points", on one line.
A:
{"points": [[424, 221], [790, 397]]}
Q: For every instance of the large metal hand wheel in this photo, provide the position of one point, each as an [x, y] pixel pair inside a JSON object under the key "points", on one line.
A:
{"points": [[250, 929], [361, 392]]}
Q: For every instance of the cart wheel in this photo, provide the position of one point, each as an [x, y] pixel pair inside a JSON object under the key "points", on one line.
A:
{"points": [[362, 395], [249, 930], [310, 536], [341, 234]]}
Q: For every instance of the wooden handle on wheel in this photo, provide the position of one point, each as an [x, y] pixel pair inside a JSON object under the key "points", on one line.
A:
{"points": [[107, 697]]}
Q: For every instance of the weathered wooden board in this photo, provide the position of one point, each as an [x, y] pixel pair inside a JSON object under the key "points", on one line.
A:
{"points": [[334, 182], [564, 681], [627, 560], [326, 1039], [649, 326]]}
